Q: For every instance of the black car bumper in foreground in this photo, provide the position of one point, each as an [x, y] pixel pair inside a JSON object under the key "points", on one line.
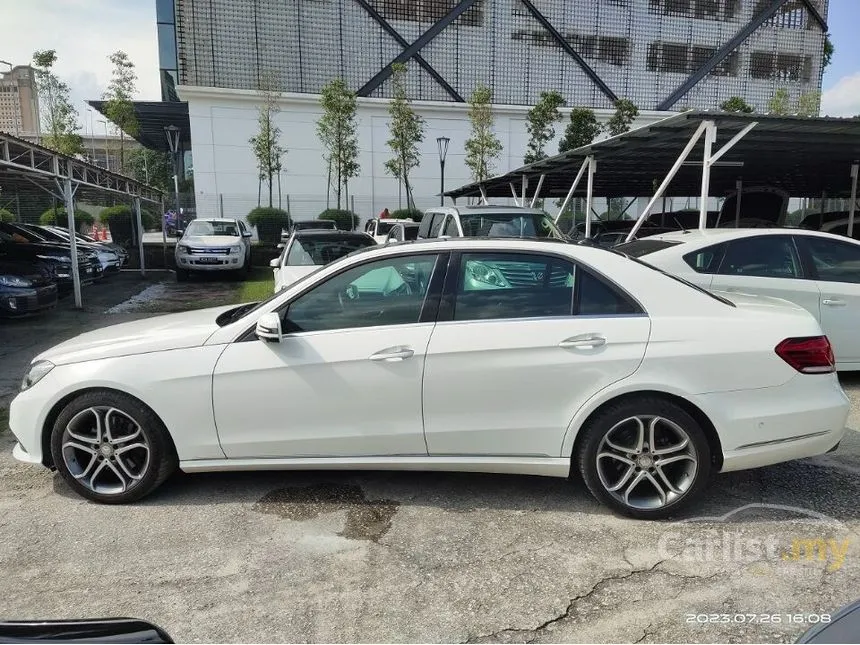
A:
{"points": [[25, 301]]}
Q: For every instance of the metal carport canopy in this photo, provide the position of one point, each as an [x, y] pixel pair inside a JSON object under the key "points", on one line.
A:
{"points": [[27, 167], [806, 157]]}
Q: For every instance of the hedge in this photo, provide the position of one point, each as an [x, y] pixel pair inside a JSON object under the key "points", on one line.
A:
{"points": [[57, 217], [6, 216], [123, 211], [345, 220], [407, 213], [268, 214]]}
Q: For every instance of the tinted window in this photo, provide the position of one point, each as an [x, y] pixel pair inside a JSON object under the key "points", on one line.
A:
{"points": [[319, 251], [202, 227], [385, 292], [835, 261], [638, 248], [500, 285], [597, 298], [768, 256], [410, 232], [513, 224], [384, 228], [451, 227], [706, 260], [436, 224]]}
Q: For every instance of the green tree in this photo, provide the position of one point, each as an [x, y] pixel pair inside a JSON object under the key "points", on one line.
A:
{"points": [[483, 146], [152, 167], [407, 131], [736, 104], [779, 103], [539, 124], [337, 129], [582, 130], [58, 114], [828, 51], [119, 109], [809, 104], [266, 143], [625, 112]]}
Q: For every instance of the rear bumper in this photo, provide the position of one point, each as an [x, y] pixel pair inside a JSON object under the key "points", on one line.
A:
{"points": [[804, 417]]}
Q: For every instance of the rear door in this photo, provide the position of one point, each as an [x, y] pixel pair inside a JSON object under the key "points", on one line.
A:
{"points": [[768, 265], [836, 266], [523, 340]]}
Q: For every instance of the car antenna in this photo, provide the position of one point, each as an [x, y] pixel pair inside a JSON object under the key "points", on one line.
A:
{"points": [[681, 226]]}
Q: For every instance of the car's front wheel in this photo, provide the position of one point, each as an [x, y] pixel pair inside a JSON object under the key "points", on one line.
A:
{"points": [[645, 457], [111, 448]]}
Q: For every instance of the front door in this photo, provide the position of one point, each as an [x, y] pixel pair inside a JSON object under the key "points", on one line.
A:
{"points": [[345, 380], [518, 354], [767, 265], [836, 265]]}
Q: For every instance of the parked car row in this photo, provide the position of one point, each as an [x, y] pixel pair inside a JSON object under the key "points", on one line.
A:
{"points": [[36, 266]]}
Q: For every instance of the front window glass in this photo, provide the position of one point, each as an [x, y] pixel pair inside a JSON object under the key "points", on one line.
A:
{"points": [[514, 224], [202, 227], [384, 292], [383, 228], [501, 285], [767, 256], [835, 261], [317, 252]]}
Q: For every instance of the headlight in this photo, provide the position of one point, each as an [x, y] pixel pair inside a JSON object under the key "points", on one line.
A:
{"points": [[486, 274], [184, 249], [236, 249], [38, 371], [14, 281]]}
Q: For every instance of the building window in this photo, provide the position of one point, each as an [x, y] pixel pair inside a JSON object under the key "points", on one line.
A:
{"points": [[679, 58], [791, 15], [782, 67], [428, 11], [701, 9]]}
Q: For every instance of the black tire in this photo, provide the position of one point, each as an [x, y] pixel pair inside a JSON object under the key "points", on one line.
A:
{"points": [[616, 420], [159, 465], [182, 275]]}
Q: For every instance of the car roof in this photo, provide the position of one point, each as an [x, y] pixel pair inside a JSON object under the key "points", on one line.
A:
{"points": [[486, 208], [716, 235], [327, 232], [215, 220]]}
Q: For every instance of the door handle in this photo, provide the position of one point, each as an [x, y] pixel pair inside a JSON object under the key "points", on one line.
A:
{"points": [[391, 354], [833, 302], [586, 340]]}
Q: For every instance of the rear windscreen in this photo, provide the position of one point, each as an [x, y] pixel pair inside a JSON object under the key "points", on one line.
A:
{"points": [[638, 248]]}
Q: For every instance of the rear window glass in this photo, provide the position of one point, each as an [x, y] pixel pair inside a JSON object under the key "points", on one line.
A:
{"points": [[638, 248], [706, 260]]}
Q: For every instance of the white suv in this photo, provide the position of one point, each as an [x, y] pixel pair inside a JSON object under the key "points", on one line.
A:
{"points": [[213, 245], [488, 221]]}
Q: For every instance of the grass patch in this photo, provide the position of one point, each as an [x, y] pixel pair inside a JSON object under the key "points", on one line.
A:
{"points": [[257, 286]]}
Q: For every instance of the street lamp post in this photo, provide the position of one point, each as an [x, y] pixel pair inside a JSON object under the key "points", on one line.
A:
{"points": [[17, 100], [92, 134], [172, 133], [107, 158], [442, 142]]}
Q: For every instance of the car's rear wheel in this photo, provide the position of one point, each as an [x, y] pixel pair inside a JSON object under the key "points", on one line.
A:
{"points": [[645, 457], [111, 448]]}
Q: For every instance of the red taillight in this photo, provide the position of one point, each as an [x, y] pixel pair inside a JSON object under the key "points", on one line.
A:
{"points": [[810, 355]]}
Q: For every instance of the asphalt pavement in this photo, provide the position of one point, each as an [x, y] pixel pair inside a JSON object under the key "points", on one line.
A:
{"points": [[415, 557]]}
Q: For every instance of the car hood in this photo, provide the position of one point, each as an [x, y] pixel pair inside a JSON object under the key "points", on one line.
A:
{"points": [[172, 331], [211, 240]]}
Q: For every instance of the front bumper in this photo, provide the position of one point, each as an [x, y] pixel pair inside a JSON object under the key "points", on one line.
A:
{"points": [[24, 302], [802, 418], [207, 262]]}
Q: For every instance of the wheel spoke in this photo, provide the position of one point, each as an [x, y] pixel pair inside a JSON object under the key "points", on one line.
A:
{"points": [[640, 438], [639, 477], [96, 472], [660, 492], [79, 446], [133, 446], [670, 449], [75, 434], [93, 459], [665, 461], [624, 478], [120, 475], [114, 440], [672, 488]]}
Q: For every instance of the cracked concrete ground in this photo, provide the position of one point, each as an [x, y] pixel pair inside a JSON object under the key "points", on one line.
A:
{"points": [[413, 557]]}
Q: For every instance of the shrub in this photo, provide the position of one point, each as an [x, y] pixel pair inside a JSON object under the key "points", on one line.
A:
{"points": [[121, 211], [6, 216], [345, 220], [57, 217], [407, 213], [269, 222]]}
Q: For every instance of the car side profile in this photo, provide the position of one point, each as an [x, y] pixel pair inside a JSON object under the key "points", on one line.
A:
{"points": [[215, 244], [506, 356], [403, 232], [488, 221], [818, 271]]}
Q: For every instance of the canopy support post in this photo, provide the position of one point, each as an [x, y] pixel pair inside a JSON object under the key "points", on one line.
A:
{"points": [[525, 188], [592, 166], [853, 205], [537, 190], [69, 198], [514, 193], [139, 221], [483, 194], [710, 138], [572, 188], [669, 176], [739, 188]]}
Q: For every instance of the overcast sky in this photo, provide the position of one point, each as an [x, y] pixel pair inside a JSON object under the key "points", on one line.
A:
{"points": [[86, 32]]}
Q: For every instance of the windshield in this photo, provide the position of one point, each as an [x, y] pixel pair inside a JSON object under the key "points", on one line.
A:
{"points": [[382, 228], [12, 233], [410, 232], [202, 227], [514, 224], [320, 251]]}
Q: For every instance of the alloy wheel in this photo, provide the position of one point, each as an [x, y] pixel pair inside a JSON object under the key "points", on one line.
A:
{"points": [[646, 462]]}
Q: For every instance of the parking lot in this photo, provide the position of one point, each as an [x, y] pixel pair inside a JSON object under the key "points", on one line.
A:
{"points": [[374, 557]]}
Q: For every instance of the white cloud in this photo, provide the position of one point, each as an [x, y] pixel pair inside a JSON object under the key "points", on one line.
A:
{"points": [[843, 99], [85, 33]]}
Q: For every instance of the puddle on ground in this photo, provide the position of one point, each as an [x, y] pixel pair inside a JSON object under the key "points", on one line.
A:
{"points": [[366, 519]]}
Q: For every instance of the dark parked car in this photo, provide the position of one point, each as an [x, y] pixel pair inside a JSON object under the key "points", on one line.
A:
{"points": [[26, 287], [17, 243], [109, 258], [315, 224]]}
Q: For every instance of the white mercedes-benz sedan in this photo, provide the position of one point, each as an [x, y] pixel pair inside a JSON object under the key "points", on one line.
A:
{"points": [[818, 271], [504, 356]]}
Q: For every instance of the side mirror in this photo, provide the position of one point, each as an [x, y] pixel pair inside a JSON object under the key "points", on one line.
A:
{"points": [[269, 328], [180, 232], [247, 234], [281, 245], [275, 263]]}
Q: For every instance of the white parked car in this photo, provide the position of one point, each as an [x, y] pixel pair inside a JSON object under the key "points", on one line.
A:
{"points": [[379, 229], [506, 356], [403, 232], [305, 251], [818, 271], [488, 220], [213, 245]]}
